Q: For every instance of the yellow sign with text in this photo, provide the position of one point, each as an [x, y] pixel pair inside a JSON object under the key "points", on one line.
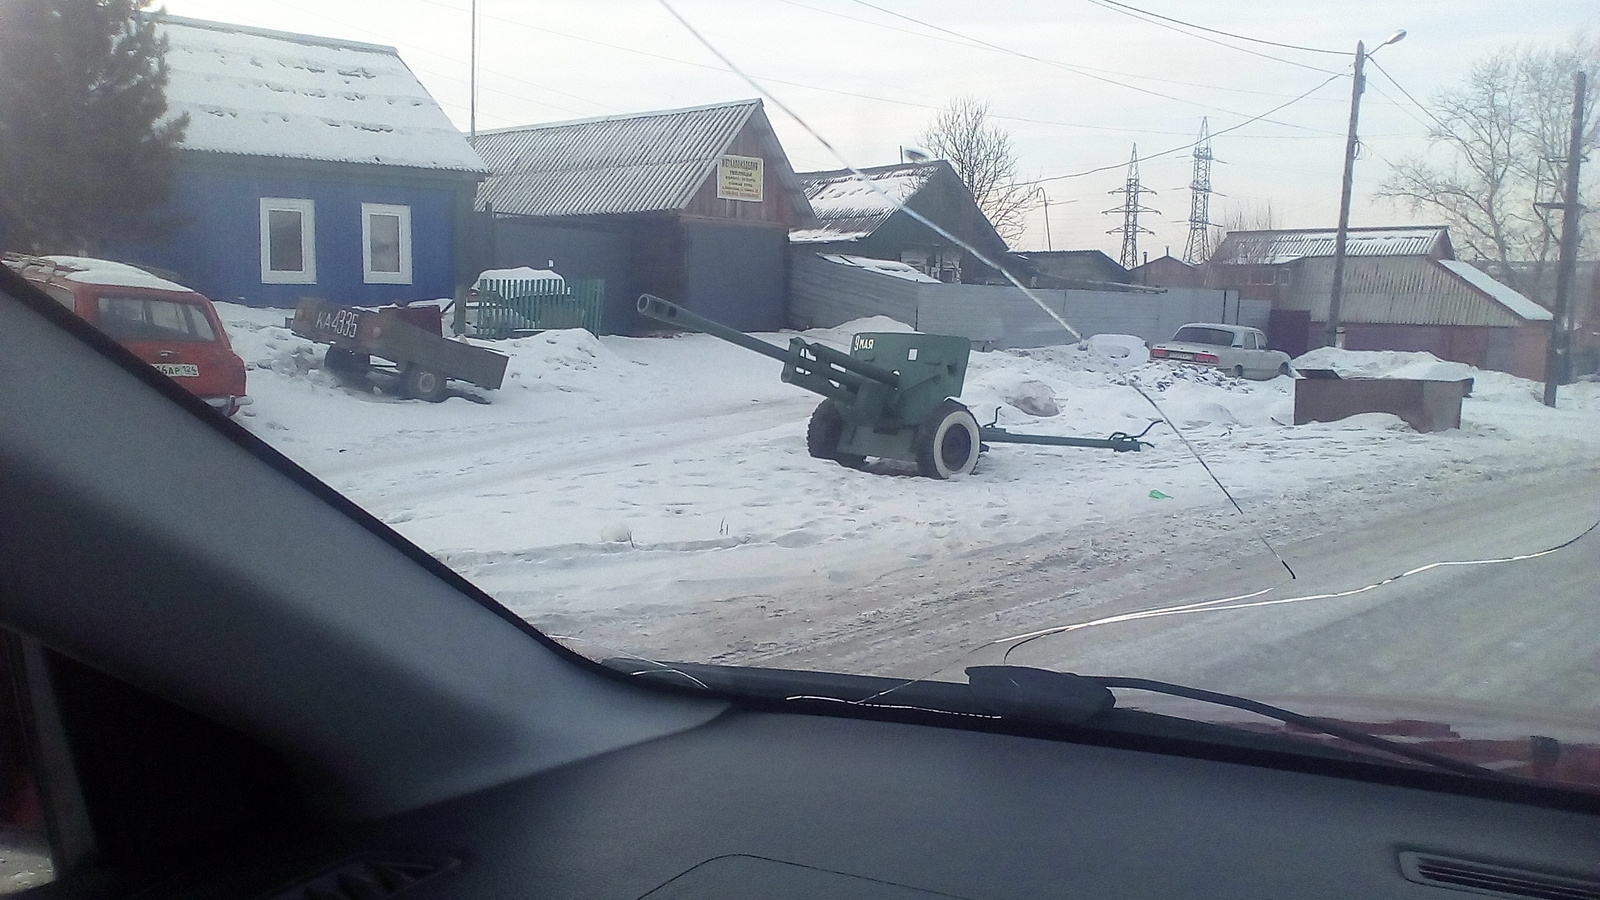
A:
{"points": [[740, 178]]}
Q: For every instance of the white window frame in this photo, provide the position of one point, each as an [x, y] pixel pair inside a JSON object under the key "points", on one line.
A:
{"points": [[403, 213], [308, 241]]}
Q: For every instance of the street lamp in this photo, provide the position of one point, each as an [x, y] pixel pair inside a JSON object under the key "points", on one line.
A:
{"points": [[1335, 333]]}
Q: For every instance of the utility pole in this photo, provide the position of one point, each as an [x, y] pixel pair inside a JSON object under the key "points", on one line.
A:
{"points": [[1198, 249], [1555, 361], [472, 88], [1130, 209], [1334, 336], [1048, 244]]}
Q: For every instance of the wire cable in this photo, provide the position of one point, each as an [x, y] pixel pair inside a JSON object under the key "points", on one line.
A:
{"points": [[1241, 37], [1192, 144], [1077, 70], [1104, 5], [1401, 88]]}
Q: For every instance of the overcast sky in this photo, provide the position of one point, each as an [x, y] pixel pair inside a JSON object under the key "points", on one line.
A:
{"points": [[1078, 82]]}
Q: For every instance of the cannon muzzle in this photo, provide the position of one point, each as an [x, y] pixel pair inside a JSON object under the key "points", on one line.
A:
{"points": [[672, 314]]}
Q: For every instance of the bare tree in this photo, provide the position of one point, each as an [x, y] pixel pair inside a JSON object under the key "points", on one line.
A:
{"points": [[1503, 137], [982, 154]]}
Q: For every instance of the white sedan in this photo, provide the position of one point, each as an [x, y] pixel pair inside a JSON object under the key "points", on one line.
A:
{"points": [[1237, 349]]}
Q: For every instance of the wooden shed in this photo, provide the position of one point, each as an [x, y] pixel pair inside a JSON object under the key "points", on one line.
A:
{"points": [[693, 205]]}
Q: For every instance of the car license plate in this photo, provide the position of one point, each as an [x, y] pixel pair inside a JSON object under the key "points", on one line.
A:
{"points": [[1186, 356], [178, 370]]}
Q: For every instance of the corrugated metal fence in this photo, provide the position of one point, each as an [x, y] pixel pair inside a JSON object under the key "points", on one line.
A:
{"points": [[824, 294]]}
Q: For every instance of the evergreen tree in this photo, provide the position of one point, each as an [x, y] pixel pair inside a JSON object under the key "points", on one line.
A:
{"points": [[86, 147]]}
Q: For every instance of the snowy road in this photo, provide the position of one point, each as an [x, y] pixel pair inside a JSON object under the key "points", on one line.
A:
{"points": [[653, 497]]}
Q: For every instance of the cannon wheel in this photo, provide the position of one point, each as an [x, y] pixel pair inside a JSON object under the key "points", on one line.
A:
{"points": [[423, 384], [825, 431], [947, 441]]}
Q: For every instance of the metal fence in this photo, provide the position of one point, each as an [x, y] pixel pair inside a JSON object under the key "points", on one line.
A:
{"points": [[825, 294], [507, 308]]}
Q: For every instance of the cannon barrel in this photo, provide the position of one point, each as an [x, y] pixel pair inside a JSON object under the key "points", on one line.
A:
{"points": [[806, 364], [673, 314]]}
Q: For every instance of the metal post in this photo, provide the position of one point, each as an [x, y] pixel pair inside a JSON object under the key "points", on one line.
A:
{"points": [[1334, 336], [1555, 362]]}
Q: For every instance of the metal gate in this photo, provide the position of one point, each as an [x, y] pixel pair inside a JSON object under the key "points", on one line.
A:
{"points": [[508, 308]]}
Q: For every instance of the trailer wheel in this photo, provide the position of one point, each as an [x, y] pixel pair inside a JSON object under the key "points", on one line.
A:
{"points": [[348, 366], [824, 432], [947, 441], [423, 384]]}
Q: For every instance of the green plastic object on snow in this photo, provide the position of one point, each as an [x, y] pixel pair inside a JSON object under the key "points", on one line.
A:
{"points": [[892, 396], [1157, 495]]}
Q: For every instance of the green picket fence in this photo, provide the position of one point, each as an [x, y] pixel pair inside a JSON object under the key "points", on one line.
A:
{"points": [[507, 308]]}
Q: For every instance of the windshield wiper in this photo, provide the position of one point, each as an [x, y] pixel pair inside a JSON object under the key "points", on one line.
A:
{"points": [[1066, 698]]}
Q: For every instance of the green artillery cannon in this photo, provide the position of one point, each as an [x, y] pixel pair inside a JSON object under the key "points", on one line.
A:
{"points": [[891, 397]]}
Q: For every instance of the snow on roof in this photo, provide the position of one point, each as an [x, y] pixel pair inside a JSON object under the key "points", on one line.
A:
{"points": [[103, 271], [256, 92], [883, 266], [1275, 247], [849, 207], [1518, 305]]}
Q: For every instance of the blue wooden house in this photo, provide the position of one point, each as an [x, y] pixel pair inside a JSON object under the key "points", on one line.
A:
{"points": [[311, 167]]}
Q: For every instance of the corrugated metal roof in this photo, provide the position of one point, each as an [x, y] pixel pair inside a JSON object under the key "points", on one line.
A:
{"points": [[1275, 247], [1519, 305], [256, 92], [616, 164], [1407, 291], [849, 208]]}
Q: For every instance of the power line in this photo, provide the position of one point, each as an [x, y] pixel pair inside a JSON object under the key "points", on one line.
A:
{"points": [[971, 44], [1192, 144], [1079, 70], [1135, 15], [1401, 89], [1227, 33]]}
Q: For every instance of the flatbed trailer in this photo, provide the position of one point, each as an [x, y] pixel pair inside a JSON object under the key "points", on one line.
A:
{"points": [[410, 337]]}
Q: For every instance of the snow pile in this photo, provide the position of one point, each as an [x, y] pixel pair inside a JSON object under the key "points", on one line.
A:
{"points": [[520, 273], [1385, 364], [1125, 348]]}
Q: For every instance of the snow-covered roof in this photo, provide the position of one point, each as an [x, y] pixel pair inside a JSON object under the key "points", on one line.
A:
{"points": [[257, 92], [1513, 301], [888, 267], [850, 207], [103, 271], [1279, 246]]}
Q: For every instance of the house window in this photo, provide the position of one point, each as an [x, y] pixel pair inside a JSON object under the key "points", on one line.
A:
{"points": [[288, 241], [385, 243]]}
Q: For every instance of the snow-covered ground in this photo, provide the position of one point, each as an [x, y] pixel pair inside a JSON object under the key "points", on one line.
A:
{"points": [[643, 476]]}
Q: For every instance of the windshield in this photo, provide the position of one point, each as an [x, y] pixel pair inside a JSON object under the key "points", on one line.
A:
{"points": [[1196, 335], [888, 406]]}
